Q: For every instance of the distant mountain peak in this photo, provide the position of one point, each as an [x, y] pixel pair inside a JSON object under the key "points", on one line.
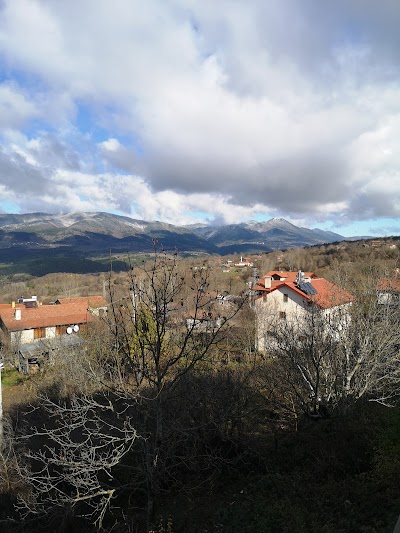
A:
{"points": [[107, 230]]}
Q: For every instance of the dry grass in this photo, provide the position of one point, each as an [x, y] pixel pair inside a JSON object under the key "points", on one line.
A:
{"points": [[19, 393]]}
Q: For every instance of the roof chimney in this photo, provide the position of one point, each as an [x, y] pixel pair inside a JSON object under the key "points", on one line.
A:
{"points": [[299, 277], [267, 282], [17, 313], [13, 305]]}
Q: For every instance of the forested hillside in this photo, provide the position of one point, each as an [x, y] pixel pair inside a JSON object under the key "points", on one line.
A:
{"points": [[170, 421]]}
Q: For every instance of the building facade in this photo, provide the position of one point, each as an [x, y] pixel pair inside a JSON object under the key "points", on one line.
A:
{"points": [[287, 300], [27, 320]]}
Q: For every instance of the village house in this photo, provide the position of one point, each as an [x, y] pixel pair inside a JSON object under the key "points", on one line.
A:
{"points": [[287, 298], [244, 262], [28, 320], [34, 330], [388, 291], [204, 323]]}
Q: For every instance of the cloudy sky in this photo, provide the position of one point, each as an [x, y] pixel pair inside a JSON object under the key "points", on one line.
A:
{"points": [[193, 110]]}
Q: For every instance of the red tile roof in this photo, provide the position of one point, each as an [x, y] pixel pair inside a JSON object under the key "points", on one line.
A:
{"points": [[288, 276], [69, 311], [328, 295]]}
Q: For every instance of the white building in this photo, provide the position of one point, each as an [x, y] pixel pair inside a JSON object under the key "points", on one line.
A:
{"points": [[29, 321], [287, 300]]}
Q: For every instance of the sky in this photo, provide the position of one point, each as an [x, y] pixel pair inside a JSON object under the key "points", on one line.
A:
{"points": [[195, 110]]}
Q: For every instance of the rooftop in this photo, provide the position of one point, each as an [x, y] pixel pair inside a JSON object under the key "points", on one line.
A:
{"points": [[327, 294], [389, 284], [68, 311]]}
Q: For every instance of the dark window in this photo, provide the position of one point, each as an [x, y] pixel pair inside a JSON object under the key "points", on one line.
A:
{"points": [[285, 298], [282, 314]]}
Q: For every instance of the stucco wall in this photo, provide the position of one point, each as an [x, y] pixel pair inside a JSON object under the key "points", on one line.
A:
{"points": [[269, 307], [22, 337], [296, 308], [97, 311], [50, 332]]}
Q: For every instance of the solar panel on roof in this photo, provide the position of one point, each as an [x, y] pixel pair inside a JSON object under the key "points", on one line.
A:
{"points": [[307, 288]]}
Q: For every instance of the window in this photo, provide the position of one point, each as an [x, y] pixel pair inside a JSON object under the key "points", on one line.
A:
{"points": [[285, 298], [282, 315], [39, 333]]}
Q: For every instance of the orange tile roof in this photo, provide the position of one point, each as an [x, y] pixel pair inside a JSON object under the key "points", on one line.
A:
{"points": [[389, 284], [69, 311], [328, 295], [288, 276]]}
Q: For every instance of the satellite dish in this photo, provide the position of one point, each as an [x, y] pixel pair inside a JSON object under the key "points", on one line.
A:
{"points": [[69, 330], [76, 328]]}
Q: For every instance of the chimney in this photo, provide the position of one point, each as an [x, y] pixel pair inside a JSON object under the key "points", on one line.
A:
{"points": [[17, 313], [267, 282], [299, 277], [13, 305]]}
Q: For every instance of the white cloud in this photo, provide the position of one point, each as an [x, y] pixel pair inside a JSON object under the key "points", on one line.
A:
{"points": [[15, 107], [225, 108], [110, 145]]}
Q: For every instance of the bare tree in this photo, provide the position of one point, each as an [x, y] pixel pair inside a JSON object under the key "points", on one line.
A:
{"points": [[70, 285], [160, 334], [126, 421], [13, 473], [302, 349], [328, 360], [368, 350], [88, 437], [161, 337]]}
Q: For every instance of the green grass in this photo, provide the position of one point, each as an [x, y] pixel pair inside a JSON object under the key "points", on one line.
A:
{"points": [[11, 377]]}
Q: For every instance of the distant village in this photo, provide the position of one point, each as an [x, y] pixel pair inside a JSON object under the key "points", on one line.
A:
{"points": [[36, 330]]}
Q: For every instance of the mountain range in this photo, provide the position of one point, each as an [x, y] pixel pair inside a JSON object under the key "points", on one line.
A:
{"points": [[95, 233]]}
